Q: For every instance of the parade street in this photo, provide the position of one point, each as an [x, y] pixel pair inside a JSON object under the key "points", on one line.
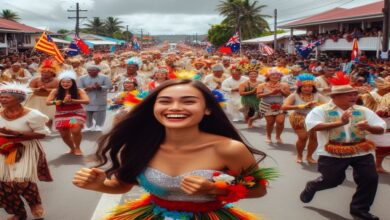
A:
{"points": [[63, 201]]}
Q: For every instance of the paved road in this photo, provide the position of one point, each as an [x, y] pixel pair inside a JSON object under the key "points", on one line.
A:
{"points": [[63, 201]]}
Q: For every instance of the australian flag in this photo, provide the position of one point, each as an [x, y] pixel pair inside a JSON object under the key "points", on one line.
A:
{"points": [[73, 50], [232, 46], [209, 48], [304, 51]]}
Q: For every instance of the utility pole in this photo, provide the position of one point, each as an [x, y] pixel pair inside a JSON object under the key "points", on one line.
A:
{"points": [[142, 35], [275, 29], [127, 33], [77, 18], [385, 41]]}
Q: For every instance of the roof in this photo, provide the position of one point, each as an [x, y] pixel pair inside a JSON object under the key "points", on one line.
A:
{"points": [[373, 10], [270, 38], [13, 25]]}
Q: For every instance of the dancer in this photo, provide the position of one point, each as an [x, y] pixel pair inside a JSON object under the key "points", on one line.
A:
{"points": [[301, 102], [70, 116], [187, 143], [249, 100], [341, 128], [41, 87], [22, 159], [379, 102], [160, 76], [272, 93]]}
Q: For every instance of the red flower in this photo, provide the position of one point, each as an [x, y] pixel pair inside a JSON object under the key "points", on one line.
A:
{"points": [[236, 192], [263, 182], [249, 178], [216, 173]]}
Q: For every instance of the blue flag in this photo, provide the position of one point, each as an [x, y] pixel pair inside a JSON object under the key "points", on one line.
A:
{"points": [[234, 43], [304, 51], [73, 50]]}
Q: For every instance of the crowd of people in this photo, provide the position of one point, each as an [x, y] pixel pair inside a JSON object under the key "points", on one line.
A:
{"points": [[181, 107]]}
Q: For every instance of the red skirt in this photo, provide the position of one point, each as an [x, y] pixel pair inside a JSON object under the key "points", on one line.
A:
{"points": [[68, 116]]}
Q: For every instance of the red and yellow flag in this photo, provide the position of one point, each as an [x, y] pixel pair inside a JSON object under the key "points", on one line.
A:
{"points": [[46, 45]]}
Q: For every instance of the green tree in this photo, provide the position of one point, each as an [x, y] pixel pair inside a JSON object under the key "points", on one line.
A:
{"points": [[112, 25], [63, 31], [127, 35], [219, 34], [9, 15], [95, 26], [244, 15]]}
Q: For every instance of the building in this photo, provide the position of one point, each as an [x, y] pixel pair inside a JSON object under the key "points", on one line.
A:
{"points": [[339, 26], [15, 36]]}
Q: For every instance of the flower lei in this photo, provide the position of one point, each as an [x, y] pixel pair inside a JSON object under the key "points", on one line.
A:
{"points": [[238, 186]]}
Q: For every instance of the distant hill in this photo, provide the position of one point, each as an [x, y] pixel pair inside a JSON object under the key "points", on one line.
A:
{"points": [[178, 38]]}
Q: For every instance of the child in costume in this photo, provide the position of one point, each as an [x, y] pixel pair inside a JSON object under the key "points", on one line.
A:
{"points": [[301, 102], [70, 116], [180, 147]]}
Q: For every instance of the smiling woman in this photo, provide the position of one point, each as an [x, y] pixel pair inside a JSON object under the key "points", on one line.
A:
{"points": [[174, 144]]}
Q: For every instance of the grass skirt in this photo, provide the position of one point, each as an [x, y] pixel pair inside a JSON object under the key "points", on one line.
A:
{"points": [[149, 207]]}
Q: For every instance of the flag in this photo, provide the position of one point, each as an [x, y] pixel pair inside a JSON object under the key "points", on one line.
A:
{"points": [[46, 45], [135, 43], [234, 43], [209, 48], [112, 49], [73, 49], [82, 45], [304, 51], [265, 49], [355, 51]]}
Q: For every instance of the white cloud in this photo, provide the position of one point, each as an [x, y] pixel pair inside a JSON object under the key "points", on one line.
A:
{"points": [[158, 16]]}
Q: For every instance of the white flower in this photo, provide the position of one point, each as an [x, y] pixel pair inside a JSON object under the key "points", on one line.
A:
{"points": [[224, 178]]}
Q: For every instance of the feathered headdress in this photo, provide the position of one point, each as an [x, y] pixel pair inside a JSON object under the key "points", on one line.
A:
{"points": [[134, 97], [14, 88], [220, 97], [49, 65], [305, 79], [67, 74], [274, 70], [134, 61], [282, 70], [184, 74], [341, 84]]}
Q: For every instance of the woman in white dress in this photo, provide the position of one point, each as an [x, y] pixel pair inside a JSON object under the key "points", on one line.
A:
{"points": [[22, 159]]}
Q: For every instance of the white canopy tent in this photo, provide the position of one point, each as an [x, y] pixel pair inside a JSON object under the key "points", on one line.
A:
{"points": [[270, 38]]}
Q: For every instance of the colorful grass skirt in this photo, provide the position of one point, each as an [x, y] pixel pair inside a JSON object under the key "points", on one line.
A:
{"points": [[150, 207]]}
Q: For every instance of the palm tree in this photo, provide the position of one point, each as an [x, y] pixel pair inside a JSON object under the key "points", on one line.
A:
{"points": [[9, 15], [95, 26], [244, 16], [112, 25]]}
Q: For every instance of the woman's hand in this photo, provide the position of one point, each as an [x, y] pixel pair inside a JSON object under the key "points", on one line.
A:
{"points": [[92, 179], [67, 98], [195, 185]]}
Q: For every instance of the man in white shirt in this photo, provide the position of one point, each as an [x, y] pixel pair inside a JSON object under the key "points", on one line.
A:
{"points": [[341, 128], [214, 81], [231, 87]]}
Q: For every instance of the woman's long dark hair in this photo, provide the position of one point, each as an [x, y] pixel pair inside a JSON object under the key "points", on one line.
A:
{"points": [[72, 90], [133, 142]]}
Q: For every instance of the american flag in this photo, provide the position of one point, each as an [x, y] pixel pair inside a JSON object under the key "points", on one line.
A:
{"points": [[234, 43], [46, 45], [266, 50]]}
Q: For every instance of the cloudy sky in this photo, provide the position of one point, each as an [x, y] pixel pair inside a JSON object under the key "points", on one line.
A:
{"points": [[157, 16]]}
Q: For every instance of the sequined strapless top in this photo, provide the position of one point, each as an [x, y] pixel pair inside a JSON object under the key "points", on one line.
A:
{"points": [[168, 187]]}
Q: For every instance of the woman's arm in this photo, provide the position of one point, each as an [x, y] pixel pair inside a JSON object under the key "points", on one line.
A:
{"points": [[289, 103], [52, 96], [260, 91], [96, 179], [285, 89]]}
